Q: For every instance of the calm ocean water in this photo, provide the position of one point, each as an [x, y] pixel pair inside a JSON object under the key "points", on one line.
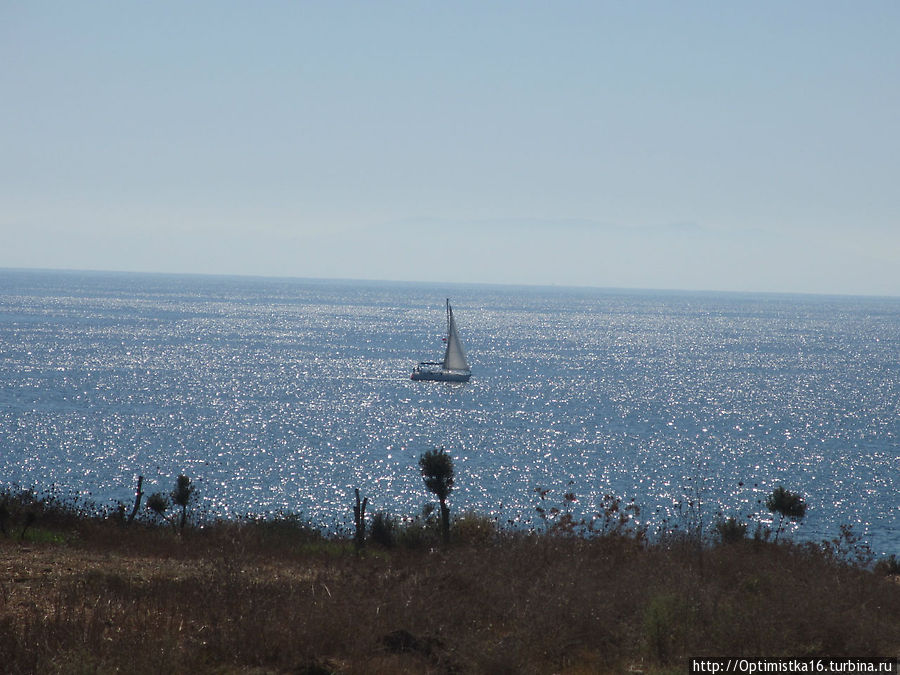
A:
{"points": [[287, 394]]}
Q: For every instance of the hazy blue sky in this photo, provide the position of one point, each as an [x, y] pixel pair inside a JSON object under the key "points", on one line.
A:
{"points": [[690, 145]]}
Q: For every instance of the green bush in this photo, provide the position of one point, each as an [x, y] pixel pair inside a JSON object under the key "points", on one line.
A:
{"points": [[731, 530], [423, 531], [786, 503], [666, 618], [474, 528], [889, 566], [382, 530]]}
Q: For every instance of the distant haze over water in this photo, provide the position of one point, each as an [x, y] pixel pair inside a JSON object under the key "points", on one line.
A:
{"points": [[285, 395]]}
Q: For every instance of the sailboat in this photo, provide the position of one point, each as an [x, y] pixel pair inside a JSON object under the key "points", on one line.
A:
{"points": [[454, 367]]}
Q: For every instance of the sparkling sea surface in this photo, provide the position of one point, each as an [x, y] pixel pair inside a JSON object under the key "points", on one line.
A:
{"points": [[284, 395]]}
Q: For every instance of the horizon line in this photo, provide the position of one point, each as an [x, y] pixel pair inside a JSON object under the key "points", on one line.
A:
{"points": [[495, 284]]}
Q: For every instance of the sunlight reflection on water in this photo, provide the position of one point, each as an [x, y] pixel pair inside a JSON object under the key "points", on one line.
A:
{"points": [[285, 395]]}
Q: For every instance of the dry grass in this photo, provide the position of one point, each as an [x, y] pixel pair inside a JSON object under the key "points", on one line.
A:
{"points": [[90, 595]]}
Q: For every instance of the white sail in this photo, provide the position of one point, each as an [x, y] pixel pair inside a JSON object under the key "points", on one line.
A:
{"points": [[454, 357], [454, 367]]}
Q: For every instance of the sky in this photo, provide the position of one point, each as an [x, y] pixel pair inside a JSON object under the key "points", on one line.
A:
{"points": [[691, 145]]}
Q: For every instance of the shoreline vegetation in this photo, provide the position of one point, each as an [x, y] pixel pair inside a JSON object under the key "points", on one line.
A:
{"points": [[84, 589]]}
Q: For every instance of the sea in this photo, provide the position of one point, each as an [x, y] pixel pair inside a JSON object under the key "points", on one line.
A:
{"points": [[282, 396]]}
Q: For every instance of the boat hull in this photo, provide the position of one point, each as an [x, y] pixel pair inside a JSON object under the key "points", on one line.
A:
{"points": [[453, 367], [440, 376]]}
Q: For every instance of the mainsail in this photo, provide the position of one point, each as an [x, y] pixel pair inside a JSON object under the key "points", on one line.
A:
{"points": [[454, 357], [454, 367]]}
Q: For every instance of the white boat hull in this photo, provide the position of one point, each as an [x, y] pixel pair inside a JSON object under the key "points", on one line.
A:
{"points": [[440, 376]]}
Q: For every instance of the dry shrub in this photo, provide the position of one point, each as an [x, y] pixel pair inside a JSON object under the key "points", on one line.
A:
{"points": [[274, 597], [474, 529]]}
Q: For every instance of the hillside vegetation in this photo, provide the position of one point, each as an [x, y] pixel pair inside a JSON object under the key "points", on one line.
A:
{"points": [[82, 592]]}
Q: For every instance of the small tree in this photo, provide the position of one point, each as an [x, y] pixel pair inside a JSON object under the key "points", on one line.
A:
{"points": [[437, 472], [159, 504], [786, 503], [182, 496], [359, 520], [139, 494]]}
